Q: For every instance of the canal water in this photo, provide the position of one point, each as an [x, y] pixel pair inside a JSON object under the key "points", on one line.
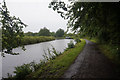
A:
{"points": [[33, 52]]}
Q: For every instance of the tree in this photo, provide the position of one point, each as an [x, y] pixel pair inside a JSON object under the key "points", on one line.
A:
{"points": [[44, 32], [12, 33], [99, 20], [0, 39], [59, 33], [35, 34], [29, 34], [52, 33], [70, 34]]}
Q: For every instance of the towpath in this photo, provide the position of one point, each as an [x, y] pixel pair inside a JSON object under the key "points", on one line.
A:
{"points": [[91, 63]]}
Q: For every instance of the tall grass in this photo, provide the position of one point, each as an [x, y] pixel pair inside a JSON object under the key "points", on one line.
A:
{"points": [[36, 39]]}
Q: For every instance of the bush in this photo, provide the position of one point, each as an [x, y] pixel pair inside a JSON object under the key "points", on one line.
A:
{"points": [[22, 71], [71, 44], [77, 40], [25, 69]]}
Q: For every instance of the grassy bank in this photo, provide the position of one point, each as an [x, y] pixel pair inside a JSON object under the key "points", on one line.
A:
{"points": [[36, 39], [56, 68], [95, 40]]}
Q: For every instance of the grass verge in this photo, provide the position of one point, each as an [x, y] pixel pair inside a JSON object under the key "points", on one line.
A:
{"points": [[56, 68], [95, 40]]}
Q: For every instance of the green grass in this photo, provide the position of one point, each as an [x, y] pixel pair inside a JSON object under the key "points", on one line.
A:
{"points": [[36, 39], [56, 68], [95, 40]]}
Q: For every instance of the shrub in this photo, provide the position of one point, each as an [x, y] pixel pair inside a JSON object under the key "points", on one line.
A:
{"points": [[71, 44], [22, 71], [77, 40]]}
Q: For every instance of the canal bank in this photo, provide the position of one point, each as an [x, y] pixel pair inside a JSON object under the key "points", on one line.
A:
{"points": [[56, 68], [33, 52]]}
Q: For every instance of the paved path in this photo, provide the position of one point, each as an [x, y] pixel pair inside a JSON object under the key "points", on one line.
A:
{"points": [[91, 63]]}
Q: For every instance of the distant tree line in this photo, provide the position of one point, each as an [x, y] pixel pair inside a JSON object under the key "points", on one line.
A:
{"points": [[46, 32]]}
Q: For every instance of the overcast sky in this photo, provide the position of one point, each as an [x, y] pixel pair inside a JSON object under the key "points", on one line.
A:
{"points": [[36, 14]]}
